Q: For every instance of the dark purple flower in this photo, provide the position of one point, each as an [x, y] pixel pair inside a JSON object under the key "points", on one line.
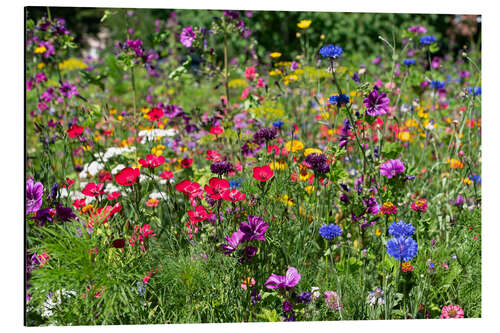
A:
{"points": [[265, 135], [233, 242], [187, 36], [391, 168], [376, 103], [221, 167], [289, 280], [305, 297], [287, 306], [254, 297], [250, 251], [43, 215], [34, 193], [344, 198], [254, 229], [64, 213], [372, 206], [53, 191], [317, 162], [344, 133]]}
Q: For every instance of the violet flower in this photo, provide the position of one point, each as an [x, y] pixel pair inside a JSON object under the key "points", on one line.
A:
{"points": [[233, 242], [289, 280], [391, 168], [187, 36], [254, 229], [376, 103], [34, 193]]}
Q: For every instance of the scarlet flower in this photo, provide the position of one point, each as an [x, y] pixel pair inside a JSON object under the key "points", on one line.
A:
{"points": [[69, 182], [79, 203], [152, 161], [155, 114], [127, 176], [167, 174], [75, 131], [113, 196], [187, 186], [233, 195], [216, 187], [199, 214], [212, 155], [93, 189], [262, 173], [216, 130], [187, 162]]}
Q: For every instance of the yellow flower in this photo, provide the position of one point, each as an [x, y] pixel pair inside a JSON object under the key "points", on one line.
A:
{"points": [[277, 165], [87, 208], [40, 49], [404, 136], [455, 164], [411, 123], [294, 146], [275, 55], [309, 151], [304, 176], [304, 24], [467, 181], [309, 189], [144, 110], [40, 65], [112, 111], [286, 200], [72, 64], [290, 78], [378, 232], [120, 117], [275, 72], [237, 83], [158, 150]]}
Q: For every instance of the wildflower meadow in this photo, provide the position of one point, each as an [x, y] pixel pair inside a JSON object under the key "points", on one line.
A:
{"points": [[194, 166]]}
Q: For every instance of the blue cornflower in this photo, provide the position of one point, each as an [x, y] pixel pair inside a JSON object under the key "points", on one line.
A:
{"points": [[476, 91], [351, 172], [401, 248], [427, 39], [475, 178], [355, 78], [338, 99], [278, 123], [330, 231], [330, 51], [437, 84], [234, 184], [401, 229], [409, 62]]}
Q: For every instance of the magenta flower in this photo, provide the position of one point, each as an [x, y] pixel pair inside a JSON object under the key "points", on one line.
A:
{"points": [[187, 36], [289, 280], [376, 103], [233, 242], [34, 193], [391, 168], [254, 229], [68, 89]]}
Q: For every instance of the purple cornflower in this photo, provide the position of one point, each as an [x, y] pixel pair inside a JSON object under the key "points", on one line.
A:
{"points": [[233, 242], [221, 167], [317, 162], [391, 168], [254, 297], [265, 134], [376, 103], [254, 229], [305, 297], [355, 78], [34, 193], [187, 36], [287, 306], [294, 66], [68, 89], [460, 201], [289, 280]]}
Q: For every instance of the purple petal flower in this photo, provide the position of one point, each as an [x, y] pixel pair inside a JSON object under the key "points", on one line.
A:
{"points": [[376, 103], [187, 36], [289, 280], [254, 229], [391, 168], [34, 193], [233, 242]]}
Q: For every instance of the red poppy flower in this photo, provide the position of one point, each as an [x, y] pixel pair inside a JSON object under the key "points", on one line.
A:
{"points": [[187, 186], [152, 161], [93, 189], [127, 176], [69, 182], [216, 187], [167, 174], [75, 131], [155, 114], [213, 156], [187, 162], [262, 173], [233, 195], [105, 175], [216, 130], [79, 203], [199, 214], [113, 196]]}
